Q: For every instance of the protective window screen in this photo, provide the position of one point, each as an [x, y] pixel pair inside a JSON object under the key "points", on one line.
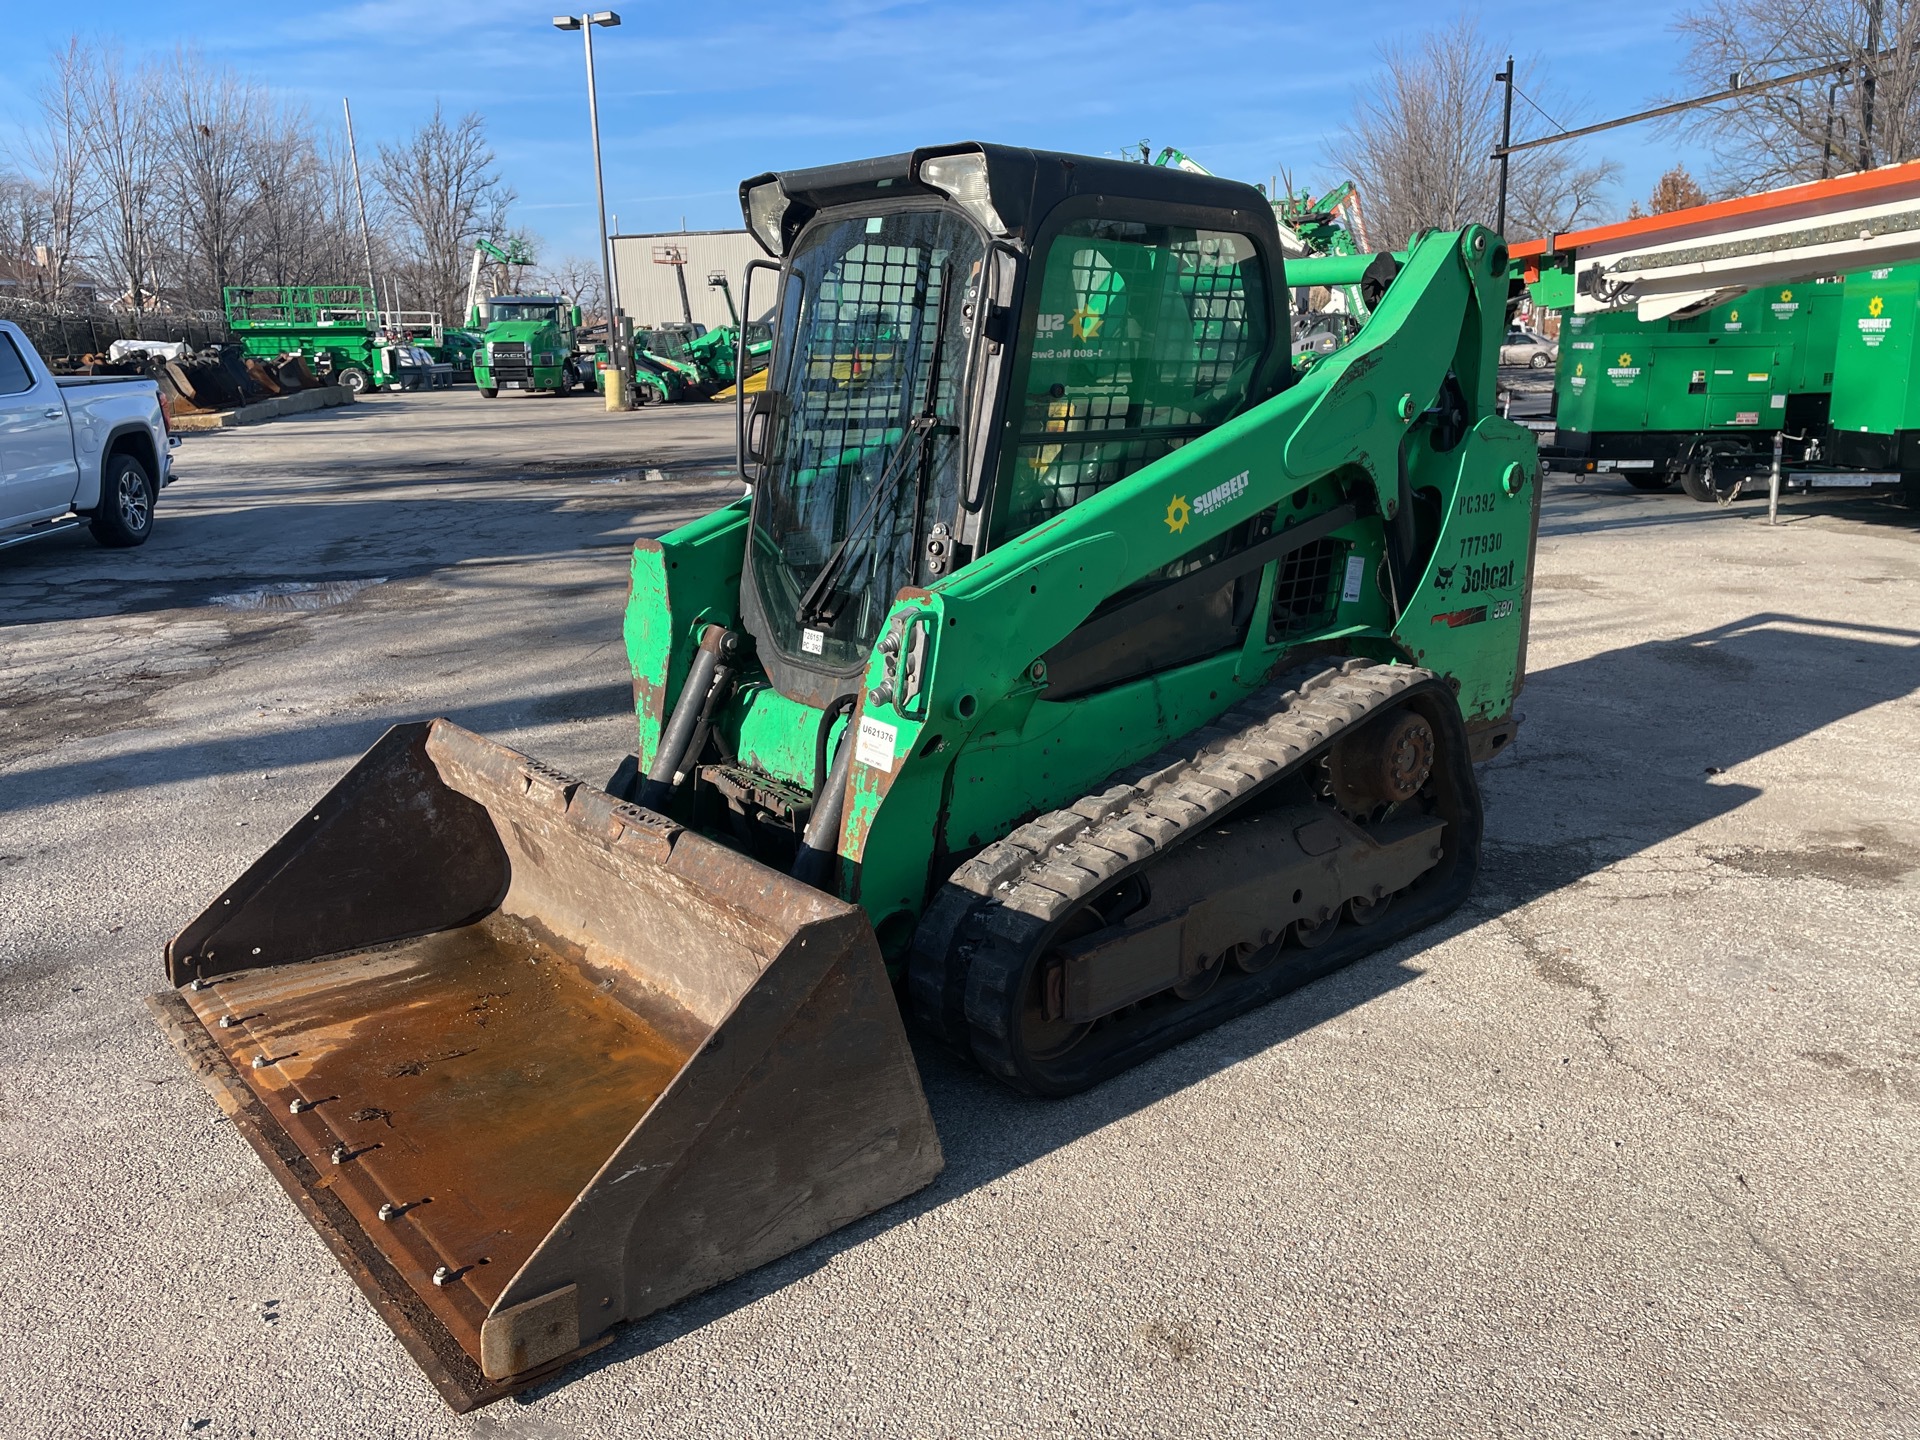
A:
{"points": [[1304, 593], [866, 309], [1144, 337]]}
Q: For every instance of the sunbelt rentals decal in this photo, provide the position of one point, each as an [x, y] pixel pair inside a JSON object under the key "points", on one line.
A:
{"points": [[1625, 373], [1874, 325], [1179, 511]]}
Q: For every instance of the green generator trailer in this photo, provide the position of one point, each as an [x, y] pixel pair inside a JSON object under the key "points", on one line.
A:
{"points": [[1078, 673], [1699, 400], [1875, 431], [334, 328]]}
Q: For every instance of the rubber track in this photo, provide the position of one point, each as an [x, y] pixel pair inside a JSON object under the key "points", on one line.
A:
{"points": [[976, 938]]}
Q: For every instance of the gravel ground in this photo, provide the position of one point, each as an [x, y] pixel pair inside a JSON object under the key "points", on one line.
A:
{"points": [[1627, 1147]]}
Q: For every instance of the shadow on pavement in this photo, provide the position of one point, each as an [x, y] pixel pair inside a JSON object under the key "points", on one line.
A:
{"points": [[195, 555], [1632, 733]]}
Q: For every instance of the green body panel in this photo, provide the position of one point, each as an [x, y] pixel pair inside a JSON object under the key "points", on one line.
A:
{"points": [[1874, 388], [1725, 370], [983, 748], [676, 586]]}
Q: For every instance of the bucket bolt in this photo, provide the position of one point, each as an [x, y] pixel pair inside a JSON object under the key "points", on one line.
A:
{"points": [[444, 1276]]}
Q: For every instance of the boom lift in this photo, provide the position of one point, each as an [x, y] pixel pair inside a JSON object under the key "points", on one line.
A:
{"points": [[1077, 674]]}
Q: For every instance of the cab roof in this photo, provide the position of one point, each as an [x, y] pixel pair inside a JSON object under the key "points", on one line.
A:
{"points": [[1024, 186]]}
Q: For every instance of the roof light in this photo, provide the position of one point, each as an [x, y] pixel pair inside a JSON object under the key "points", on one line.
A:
{"points": [[963, 177], [766, 213]]}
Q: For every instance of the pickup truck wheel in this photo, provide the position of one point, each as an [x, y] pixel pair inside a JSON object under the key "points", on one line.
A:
{"points": [[124, 516], [353, 380]]}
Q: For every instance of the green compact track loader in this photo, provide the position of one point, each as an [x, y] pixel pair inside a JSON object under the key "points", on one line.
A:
{"points": [[1076, 674]]}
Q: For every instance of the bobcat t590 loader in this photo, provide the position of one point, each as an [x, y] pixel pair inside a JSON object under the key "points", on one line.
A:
{"points": [[1075, 674]]}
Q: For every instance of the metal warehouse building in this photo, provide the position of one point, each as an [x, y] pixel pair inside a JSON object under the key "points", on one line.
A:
{"points": [[649, 292]]}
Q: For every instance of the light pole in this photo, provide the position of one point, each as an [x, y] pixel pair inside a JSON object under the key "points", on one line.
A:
{"points": [[616, 346]]}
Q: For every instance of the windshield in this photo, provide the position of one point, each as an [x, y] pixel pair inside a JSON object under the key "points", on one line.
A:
{"points": [[521, 310], [860, 471]]}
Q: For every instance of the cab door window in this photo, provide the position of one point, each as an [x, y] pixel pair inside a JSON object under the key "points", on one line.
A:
{"points": [[1145, 336]]}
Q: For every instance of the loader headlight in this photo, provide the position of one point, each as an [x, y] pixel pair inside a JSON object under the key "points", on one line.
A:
{"points": [[766, 210], [964, 179]]}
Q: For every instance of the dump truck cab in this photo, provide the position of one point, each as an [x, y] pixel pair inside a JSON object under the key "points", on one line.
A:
{"points": [[527, 344]]}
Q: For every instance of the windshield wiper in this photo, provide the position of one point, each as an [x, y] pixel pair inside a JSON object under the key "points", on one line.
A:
{"points": [[816, 604]]}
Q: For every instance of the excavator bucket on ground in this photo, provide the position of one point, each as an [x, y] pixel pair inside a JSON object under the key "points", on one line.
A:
{"points": [[535, 1060]]}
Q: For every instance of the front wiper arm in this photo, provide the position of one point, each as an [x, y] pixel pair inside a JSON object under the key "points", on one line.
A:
{"points": [[813, 604]]}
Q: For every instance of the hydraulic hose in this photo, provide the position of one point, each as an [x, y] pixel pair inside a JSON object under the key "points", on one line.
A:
{"points": [[820, 848], [664, 774]]}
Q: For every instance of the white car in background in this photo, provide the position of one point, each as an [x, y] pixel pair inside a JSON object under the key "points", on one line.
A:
{"points": [[77, 447], [1528, 347]]}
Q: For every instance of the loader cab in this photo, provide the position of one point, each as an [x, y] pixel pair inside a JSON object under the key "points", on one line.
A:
{"points": [[968, 341]]}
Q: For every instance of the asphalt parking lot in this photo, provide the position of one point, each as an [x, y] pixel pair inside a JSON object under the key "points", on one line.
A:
{"points": [[1626, 1147]]}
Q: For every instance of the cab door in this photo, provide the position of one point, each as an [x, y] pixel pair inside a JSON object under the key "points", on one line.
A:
{"points": [[38, 474]]}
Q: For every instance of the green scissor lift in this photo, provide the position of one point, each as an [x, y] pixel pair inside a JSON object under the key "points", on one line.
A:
{"points": [[332, 327]]}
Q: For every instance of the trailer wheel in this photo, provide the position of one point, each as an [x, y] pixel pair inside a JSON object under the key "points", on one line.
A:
{"points": [[487, 392], [353, 380], [1694, 481], [124, 516]]}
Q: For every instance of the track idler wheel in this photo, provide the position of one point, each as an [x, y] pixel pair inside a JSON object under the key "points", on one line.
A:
{"points": [[1385, 763]]}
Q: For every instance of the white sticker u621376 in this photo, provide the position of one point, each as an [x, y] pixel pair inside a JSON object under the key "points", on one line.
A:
{"points": [[874, 743], [1356, 569]]}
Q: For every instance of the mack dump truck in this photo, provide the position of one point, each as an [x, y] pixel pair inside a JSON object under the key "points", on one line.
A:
{"points": [[528, 343], [1076, 674]]}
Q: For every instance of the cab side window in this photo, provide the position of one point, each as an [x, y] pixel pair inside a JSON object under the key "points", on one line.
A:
{"points": [[1144, 337], [15, 377]]}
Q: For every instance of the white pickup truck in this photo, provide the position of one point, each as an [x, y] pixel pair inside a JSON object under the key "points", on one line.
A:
{"points": [[75, 448]]}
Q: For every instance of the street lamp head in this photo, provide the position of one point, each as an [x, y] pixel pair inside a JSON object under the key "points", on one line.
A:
{"points": [[604, 17], [566, 22]]}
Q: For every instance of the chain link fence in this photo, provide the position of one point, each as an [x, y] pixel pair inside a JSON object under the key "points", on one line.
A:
{"points": [[64, 333]]}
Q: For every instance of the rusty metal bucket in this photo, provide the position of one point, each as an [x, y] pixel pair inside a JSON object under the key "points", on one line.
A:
{"points": [[534, 1060]]}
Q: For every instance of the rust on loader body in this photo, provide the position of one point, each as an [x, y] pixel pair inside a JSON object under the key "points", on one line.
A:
{"points": [[535, 1060]]}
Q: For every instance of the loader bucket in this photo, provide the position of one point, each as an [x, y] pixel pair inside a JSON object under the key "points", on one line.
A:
{"points": [[534, 1060]]}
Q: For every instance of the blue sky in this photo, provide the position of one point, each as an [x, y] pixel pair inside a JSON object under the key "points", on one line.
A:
{"points": [[694, 98]]}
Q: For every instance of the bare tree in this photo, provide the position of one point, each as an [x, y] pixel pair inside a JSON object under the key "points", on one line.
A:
{"points": [[206, 147], [57, 153], [1422, 134], [443, 192], [1801, 132], [577, 277], [123, 144], [302, 230], [25, 220]]}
